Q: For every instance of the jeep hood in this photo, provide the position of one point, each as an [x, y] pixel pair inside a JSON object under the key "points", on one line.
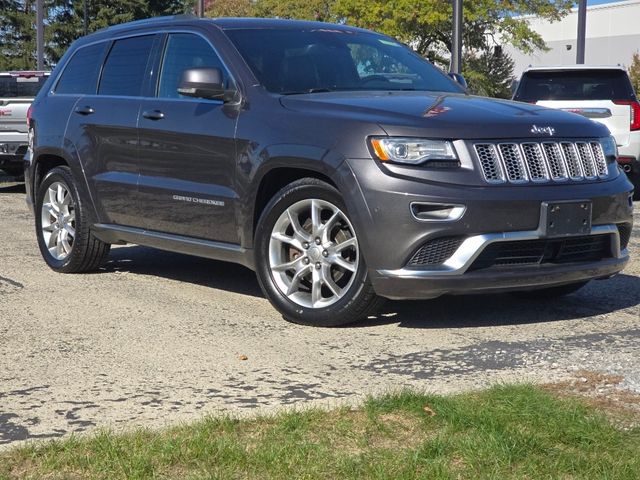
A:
{"points": [[446, 115]]}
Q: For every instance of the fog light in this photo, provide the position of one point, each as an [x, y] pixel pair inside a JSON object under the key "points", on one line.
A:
{"points": [[437, 212]]}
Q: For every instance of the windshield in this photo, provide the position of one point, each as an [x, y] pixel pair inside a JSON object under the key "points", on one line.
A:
{"points": [[575, 85], [290, 61], [16, 86]]}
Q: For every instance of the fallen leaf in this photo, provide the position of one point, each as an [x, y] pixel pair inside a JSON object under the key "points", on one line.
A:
{"points": [[243, 357], [429, 411]]}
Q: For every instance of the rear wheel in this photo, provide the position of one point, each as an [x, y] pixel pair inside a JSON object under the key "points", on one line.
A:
{"points": [[62, 226], [551, 292], [309, 262]]}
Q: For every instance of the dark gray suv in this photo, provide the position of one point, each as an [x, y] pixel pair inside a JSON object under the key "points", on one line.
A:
{"points": [[335, 162]]}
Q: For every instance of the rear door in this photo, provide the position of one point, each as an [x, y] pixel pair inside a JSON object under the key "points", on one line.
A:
{"points": [[17, 91], [590, 93], [103, 128], [187, 149]]}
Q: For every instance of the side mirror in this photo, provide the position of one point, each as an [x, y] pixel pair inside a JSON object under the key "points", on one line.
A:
{"points": [[459, 79], [202, 83]]}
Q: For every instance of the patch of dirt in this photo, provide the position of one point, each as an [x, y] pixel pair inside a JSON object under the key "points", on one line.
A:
{"points": [[602, 391]]}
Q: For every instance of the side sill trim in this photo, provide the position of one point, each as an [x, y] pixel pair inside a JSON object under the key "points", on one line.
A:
{"points": [[466, 253], [226, 252]]}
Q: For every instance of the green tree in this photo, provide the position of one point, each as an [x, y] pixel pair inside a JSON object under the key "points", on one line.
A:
{"points": [[427, 25], [230, 8], [634, 72], [17, 35], [321, 10], [64, 23], [489, 73]]}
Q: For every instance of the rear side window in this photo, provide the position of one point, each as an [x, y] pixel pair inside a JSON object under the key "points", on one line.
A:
{"points": [[184, 51], [125, 67], [575, 85], [21, 86], [82, 71]]}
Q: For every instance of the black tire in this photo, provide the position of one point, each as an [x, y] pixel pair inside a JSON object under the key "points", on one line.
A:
{"points": [[551, 292], [87, 252], [358, 300]]}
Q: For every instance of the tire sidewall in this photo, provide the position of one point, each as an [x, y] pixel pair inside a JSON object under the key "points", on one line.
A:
{"points": [[64, 176], [327, 316]]}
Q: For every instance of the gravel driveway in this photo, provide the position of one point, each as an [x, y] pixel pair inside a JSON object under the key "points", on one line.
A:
{"points": [[157, 338]]}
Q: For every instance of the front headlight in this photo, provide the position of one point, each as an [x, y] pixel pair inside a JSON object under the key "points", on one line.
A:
{"points": [[412, 151], [609, 146]]}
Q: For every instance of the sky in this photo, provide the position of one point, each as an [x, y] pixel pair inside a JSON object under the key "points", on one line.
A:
{"points": [[599, 2]]}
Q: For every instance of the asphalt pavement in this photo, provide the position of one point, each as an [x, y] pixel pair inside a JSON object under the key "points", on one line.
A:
{"points": [[156, 338]]}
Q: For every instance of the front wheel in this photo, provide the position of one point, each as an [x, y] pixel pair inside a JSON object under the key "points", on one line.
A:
{"points": [[308, 257]]}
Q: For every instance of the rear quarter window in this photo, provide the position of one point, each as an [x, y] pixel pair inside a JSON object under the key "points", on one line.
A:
{"points": [[575, 85], [81, 73]]}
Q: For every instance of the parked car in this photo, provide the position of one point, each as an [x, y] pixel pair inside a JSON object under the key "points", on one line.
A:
{"points": [[17, 91], [333, 161], [603, 94]]}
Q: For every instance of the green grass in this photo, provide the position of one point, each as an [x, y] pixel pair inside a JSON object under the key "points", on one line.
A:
{"points": [[504, 432]]}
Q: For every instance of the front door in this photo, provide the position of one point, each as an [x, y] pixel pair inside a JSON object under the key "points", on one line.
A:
{"points": [[187, 150]]}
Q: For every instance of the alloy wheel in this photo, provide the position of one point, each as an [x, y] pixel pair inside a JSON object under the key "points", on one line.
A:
{"points": [[313, 253]]}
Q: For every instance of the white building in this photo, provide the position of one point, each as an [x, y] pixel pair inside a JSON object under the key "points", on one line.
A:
{"points": [[613, 36]]}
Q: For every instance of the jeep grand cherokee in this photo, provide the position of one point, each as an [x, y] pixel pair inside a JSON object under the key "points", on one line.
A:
{"points": [[334, 161]]}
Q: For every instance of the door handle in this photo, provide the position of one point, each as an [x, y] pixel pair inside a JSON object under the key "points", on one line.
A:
{"points": [[153, 114], [86, 110]]}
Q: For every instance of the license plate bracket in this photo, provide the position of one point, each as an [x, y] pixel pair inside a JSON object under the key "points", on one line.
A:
{"points": [[563, 219]]}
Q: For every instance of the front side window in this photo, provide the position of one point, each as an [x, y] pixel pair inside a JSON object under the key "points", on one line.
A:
{"points": [[290, 61], [126, 66], [184, 51], [80, 76]]}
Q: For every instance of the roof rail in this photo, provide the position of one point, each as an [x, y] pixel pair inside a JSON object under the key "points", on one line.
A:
{"points": [[149, 21]]}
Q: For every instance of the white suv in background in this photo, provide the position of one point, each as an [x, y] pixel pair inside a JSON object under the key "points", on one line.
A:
{"points": [[603, 94], [17, 91]]}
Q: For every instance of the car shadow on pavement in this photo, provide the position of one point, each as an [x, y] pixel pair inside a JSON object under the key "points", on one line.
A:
{"points": [[12, 188], [619, 293], [184, 268]]}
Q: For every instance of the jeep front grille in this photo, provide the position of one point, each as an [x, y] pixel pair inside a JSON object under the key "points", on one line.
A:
{"points": [[525, 162]]}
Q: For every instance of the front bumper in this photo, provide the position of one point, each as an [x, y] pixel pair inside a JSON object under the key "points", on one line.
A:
{"points": [[454, 277], [390, 235]]}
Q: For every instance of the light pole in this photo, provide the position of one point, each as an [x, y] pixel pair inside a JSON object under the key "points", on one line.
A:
{"points": [[85, 9], [200, 8], [456, 43], [582, 31], [39, 36]]}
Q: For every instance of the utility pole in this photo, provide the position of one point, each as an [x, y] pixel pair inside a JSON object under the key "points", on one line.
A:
{"points": [[85, 7], [582, 31], [456, 44], [200, 8], [39, 36]]}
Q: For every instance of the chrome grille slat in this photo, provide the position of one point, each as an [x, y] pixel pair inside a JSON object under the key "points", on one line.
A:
{"points": [[513, 162], [535, 162], [572, 161], [600, 160], [555, 161], [586, 159], [491, 167], [540, 162]]}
